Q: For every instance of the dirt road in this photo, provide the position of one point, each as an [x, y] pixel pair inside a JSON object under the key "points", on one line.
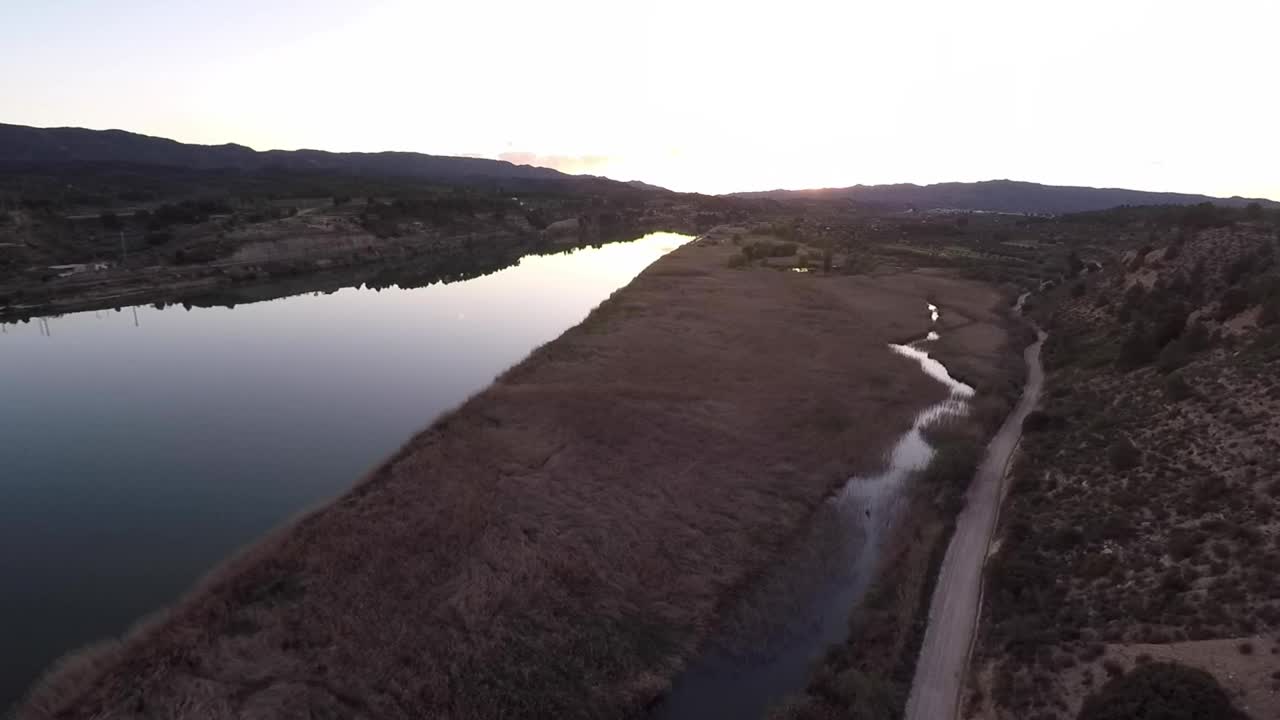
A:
{"points": [[953, 612]]}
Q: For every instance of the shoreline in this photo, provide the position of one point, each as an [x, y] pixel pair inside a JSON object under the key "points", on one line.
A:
{"points": [[531, 538], [408, 261]]}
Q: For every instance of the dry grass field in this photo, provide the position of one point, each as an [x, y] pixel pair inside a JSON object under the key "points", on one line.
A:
{"points": [[559, 545]]}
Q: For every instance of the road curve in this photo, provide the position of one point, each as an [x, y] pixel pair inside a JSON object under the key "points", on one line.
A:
{"points": [[957, 598]]}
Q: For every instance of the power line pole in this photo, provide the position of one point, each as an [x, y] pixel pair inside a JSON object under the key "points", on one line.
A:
{"points": [[124, 252]]}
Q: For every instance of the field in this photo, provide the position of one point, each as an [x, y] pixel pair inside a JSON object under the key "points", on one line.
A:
{"points": [[560, 544]]}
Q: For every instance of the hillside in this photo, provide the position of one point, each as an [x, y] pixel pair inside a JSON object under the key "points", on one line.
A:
{"points": [[1142, 520], [22, 146], [998, 196]]}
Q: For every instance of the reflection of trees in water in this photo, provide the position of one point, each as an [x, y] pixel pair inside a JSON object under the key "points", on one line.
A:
{"points": [[407, 271], [448, 266]]}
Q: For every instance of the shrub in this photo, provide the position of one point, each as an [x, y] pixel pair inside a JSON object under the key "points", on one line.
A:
{"points": [[954, 463], [1139, 348], [1207, 489], [1124, 455], [738, 260], [1036, 421], [1176, 388], [1197, 337], [1183, 544], [784, 249], [1161, 691], [1173, 356], [1234, 301]]}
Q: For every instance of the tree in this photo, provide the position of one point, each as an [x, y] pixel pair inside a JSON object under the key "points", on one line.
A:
{"points": [[1253, 211], [110, 221], [1161, 691]]}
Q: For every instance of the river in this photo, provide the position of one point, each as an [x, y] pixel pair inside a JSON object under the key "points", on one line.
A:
{"points": [[139, 447]]}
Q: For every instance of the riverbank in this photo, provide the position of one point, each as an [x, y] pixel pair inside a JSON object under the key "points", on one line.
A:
{"points": [[561, 543], [290, 264]]}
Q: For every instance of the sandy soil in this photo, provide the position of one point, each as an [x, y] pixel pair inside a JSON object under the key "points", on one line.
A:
{"points": [[560, 544]]}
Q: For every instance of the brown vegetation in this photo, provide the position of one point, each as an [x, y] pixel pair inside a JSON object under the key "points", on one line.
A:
{"points": [[870, 675], [557, 546], [1142, 514]]}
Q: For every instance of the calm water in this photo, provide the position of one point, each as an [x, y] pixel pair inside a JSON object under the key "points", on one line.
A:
{"points": [[133, 457]]}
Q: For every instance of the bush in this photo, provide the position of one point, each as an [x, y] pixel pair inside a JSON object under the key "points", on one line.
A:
{"points": [[1036, 421], [1234, 301], [738, 260], [1176, 388], [954, 463], [1138, 349], [1173, 356], [1161, 691], [1124, 455]]}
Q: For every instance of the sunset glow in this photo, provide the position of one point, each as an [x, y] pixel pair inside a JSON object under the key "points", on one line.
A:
{"points": [[711, 96]]}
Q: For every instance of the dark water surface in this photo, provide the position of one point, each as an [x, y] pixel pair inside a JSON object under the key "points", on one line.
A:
{"points": [[134, 457]]}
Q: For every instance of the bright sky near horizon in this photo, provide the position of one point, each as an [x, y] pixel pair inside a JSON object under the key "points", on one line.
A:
{"points": [[712, 96]]}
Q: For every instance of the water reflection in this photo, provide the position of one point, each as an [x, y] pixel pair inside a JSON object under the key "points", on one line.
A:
{"points": [[933, 368], [141, 447], [751, 665]]}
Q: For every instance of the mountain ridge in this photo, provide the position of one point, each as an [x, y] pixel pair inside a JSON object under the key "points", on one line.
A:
{"points": [[26, 146], [1014, 196]]}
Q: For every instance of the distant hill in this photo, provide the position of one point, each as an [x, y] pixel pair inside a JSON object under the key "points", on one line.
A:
{"points": [[23, 146], [999, 196]]}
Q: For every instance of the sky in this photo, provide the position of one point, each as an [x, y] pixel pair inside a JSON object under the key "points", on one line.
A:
{"points": [[710, 96]]}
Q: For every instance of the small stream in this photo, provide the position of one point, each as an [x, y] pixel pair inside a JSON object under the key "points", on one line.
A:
{"points": [[767, 649]]}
